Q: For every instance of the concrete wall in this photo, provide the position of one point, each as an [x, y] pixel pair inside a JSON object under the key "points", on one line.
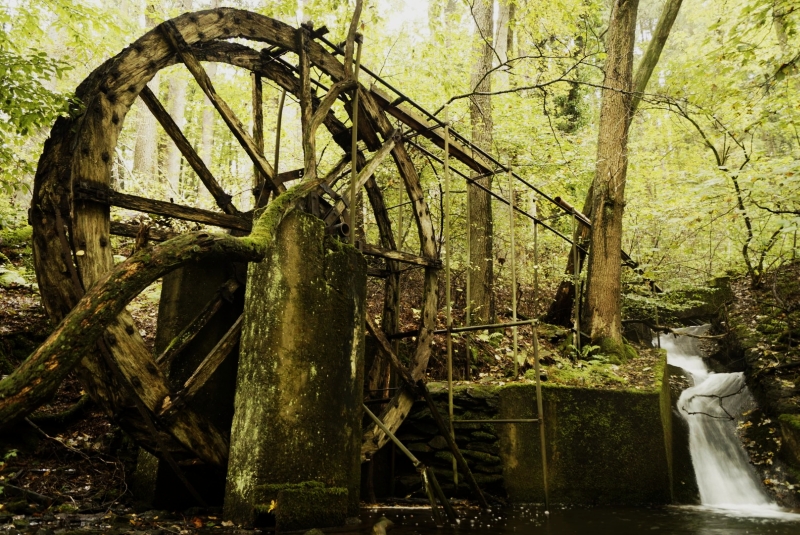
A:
{"points": [[603, 446]]}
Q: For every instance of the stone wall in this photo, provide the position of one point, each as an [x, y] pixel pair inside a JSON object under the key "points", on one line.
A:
{"points": [[603, 446]]}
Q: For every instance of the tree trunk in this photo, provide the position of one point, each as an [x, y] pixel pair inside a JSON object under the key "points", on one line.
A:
{"points": [[480, 206], [145, 152], [559, 311], [177, 108], [603, 303], [650, 59]]}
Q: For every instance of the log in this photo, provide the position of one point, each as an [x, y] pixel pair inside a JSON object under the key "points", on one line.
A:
{"points": [[194, 160]]}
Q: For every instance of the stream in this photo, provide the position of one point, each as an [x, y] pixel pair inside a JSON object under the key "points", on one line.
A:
{"points": [[733, 500]]}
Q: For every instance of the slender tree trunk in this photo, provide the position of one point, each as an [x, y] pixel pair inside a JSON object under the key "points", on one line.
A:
{"points": [[603, 303], [145, 152], [177, 108], [480, 206], [207, 132], [650, 59]]}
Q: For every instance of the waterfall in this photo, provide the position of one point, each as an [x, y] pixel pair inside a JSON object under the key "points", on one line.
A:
{"points": [[711, 408]]}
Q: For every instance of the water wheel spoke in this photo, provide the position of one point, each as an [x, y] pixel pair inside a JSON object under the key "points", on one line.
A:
{"points": [[174, 37], [188, 152], [142, 204]]}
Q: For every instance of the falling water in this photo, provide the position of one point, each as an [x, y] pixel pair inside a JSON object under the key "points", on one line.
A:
{"points": [[711, 407]]}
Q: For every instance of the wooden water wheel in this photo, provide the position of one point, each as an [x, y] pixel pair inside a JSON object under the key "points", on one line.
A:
{"points": [[72, 203]]}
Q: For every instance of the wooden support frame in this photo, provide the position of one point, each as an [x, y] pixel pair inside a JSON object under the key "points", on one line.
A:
{"points": [[175, 39]]}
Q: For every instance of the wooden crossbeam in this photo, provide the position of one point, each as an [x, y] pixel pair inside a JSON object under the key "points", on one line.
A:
{"points": [[205, 370], [400, 256], [188, 152], [84, 191], [175, 39], [423, 127], [132, 231]]}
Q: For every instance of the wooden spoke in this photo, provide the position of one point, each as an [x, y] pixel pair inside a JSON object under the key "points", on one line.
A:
{"points": [[400, 256], [194, 160], [174, 37], [259, 180], [189, 332], [142, 204], [205, 370]]}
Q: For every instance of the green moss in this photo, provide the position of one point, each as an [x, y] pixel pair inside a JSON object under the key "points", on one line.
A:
{"points": [[791, 420], [303, 508], [610, 347]]}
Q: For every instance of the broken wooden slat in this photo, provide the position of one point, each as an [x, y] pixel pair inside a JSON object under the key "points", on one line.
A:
{"points": [[174, 37], [205, 370], [194, 160], [400, 256], [132, 231], [189, 332], [168, 209]]}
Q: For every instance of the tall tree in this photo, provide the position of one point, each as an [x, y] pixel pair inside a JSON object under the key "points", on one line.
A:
{"points": [[480, 205], [603, 291], [559, 310]]}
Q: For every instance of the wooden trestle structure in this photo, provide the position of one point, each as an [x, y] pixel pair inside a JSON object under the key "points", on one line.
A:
{"points": [[73, 197]]}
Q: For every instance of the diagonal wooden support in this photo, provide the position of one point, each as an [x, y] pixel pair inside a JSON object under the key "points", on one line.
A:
{"points": [[365, 174], [189, 332], [175, 39], [194, 159], [421, 388]]}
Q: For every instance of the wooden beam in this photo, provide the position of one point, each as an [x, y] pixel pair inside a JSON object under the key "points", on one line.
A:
{"points": [[204, 371], [194, 160], [132, 202], [132, 231], [399, 256], [174, 38], [202, 318]]}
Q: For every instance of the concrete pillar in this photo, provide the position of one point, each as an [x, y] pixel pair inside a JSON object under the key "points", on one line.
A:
{"points": [[296, 435], [185, 292]]}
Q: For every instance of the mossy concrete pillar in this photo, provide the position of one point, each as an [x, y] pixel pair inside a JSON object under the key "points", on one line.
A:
{"points": [[296, 435], [184, 293]]}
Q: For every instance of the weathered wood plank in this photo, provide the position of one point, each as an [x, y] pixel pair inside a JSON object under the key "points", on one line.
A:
{"points": [[399, 256], [204, 372], [150, 206]]}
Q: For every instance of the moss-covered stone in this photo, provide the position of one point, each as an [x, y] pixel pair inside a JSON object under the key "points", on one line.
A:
{"points": [[300, 379], [603, 446], [304, 506]]}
